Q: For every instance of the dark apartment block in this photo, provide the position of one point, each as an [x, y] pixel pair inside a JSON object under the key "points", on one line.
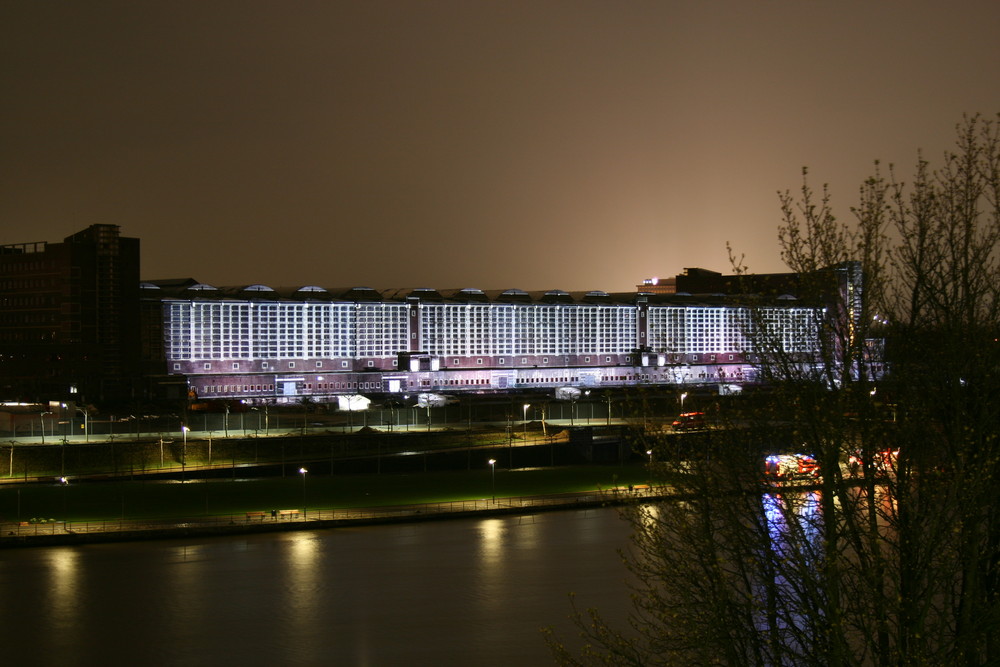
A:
{"points": [[69, 318]]}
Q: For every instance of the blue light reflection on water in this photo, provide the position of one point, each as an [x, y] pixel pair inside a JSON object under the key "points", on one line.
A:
{"points": [[465, 592]]}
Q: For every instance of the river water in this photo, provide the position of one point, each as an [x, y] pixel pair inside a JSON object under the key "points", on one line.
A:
{"points": [[461, 592]]}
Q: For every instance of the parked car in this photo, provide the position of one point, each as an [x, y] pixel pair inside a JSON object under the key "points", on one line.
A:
{"points": [[689, 421]]}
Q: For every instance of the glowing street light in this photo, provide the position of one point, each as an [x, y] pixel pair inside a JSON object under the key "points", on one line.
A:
{"points": [[303, 471], [493, 477], [64, 482], [683, 396], [526, 406], [184, 452]]}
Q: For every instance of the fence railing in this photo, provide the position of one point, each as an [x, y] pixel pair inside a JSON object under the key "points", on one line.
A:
{"points": [[318, 516]]}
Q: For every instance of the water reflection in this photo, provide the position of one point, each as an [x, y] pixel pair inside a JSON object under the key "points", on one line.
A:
{"points": [[794, 521], [463, 592], [62, 595], [303, 588]]}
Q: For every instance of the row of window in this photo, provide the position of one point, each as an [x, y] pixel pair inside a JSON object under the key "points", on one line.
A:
{"points": [[241, 330]]}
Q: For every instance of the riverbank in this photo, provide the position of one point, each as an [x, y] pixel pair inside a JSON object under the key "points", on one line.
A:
{"points": [[62, 533], [99, 511]]}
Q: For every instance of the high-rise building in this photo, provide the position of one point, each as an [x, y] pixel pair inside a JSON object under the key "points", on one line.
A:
{"points": [[69, 318]]}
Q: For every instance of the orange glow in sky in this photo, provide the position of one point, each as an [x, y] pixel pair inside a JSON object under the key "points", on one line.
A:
{"points": [[542, 145]]}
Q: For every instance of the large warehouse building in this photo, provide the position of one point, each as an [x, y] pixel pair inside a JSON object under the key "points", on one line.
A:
{"points": [[262, 344]]}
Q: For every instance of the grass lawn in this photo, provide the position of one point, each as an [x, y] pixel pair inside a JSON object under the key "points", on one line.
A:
{"points": [[96, 501]]}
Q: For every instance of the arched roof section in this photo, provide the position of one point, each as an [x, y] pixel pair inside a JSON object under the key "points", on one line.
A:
{"points": [[556, 296], [515, 295], [362, 294]]}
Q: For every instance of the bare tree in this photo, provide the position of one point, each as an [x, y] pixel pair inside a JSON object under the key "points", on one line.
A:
{"points": [[891, 556]]}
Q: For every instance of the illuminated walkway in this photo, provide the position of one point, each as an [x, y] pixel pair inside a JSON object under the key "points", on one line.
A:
{"points": [[80, 532]]}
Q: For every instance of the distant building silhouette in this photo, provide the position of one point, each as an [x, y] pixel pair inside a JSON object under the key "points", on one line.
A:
{"points": [[69, 317]]}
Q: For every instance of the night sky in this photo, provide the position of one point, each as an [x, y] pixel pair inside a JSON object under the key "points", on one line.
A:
{"points": [[538, 144]]}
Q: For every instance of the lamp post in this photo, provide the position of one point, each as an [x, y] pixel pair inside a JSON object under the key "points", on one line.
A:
{"points": [[303, 471], [257, 431], [86, 424], [41, 419], [493, 477], [184, 451], [526, 406], [683, 396], [64, 483]]}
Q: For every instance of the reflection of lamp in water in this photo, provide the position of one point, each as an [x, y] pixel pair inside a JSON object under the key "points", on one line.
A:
{"points": [[493, 477], [303, 471]]}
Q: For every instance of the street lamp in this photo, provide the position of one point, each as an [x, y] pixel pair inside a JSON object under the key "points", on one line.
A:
{"points": [[526, 406], [493, 477], [184, 431], [303, 471], [86, 424], [683, 396], [41, 419], [63, 482]]}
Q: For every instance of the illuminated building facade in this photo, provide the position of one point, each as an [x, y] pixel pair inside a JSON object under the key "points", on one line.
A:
{"points": [[262, 344]]}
